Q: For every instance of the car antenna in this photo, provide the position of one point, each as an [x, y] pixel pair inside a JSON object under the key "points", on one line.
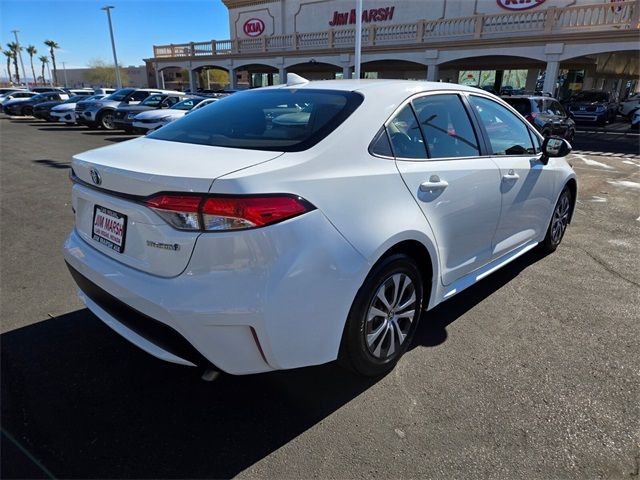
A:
{"points": [[293, 79]]}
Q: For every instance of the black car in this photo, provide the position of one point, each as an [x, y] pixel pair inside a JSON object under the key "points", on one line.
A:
{"points": [[545, 114], [123, 116], [26, 106], [593, 106], [43, 110]]}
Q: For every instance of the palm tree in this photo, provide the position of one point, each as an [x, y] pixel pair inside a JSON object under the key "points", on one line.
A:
{"points": [[31, 50], [13, 46], [9, 55], [52, 49], [44, 59]]}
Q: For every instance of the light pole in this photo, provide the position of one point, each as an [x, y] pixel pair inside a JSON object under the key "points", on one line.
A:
{"points": [[358, 37], [64, 68], [113, 46], [24, 75]]}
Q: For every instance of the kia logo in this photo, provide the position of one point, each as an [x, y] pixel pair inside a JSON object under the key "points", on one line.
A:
{"points": [[519, 4], [253, 27], [95, 176]]}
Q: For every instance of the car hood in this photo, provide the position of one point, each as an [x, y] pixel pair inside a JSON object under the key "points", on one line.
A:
{"points": [[107, 103], [161, 113], [64, 106]]}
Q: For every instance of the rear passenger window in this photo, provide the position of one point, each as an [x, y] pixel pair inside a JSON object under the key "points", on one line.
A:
{"points": [[508, 135], [380, 145], [405, 135], [446, 127], [138, 96]]}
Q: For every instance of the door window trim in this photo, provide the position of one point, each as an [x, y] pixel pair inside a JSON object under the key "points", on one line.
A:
{"points": [[477, 130], [517, 115]]}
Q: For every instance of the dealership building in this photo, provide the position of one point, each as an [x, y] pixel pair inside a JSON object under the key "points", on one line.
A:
{"points": [[558, 46]]}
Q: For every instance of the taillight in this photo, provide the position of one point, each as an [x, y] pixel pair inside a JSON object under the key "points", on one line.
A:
{"points": [[531, 117], [229, 212]]}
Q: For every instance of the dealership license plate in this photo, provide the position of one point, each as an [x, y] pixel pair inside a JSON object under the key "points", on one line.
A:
{"points": [[109, 228]]}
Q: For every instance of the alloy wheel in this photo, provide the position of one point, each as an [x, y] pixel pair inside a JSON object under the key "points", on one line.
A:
{"points": [[560, 219], [390, 316], [107, 121]]}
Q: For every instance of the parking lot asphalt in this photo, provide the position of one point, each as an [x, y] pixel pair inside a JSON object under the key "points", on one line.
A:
{"points": [[532, 373]]}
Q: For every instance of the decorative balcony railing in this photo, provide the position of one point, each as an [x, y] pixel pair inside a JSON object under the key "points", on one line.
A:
{"points": [[596, 17]]}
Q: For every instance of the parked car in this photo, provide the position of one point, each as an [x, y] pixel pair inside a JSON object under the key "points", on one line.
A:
{"points": [[43, 110], [15, 95], [628, 107], [99, 113], [24, 106], [593, 106], [546, 114], [124, 114], [154, 119], [103, 91], [6, 90], [216, 240], [65, 112]]}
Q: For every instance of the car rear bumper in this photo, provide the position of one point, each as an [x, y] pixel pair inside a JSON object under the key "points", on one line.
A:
{"points": [[248, 302]]}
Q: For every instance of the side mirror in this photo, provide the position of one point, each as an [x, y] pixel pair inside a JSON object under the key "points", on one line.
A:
{"points": [[553, 147]]}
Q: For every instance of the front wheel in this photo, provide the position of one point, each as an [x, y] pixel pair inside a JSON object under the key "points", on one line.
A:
{"points": [[384, 317], [559, 222], [106, 120]]}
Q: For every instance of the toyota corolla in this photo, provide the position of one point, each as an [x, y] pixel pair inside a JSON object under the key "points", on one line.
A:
{"points": [[313, 221]]}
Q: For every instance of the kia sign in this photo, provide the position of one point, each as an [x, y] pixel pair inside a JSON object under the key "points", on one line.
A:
{"points": [[253, 27], [519, 4]]}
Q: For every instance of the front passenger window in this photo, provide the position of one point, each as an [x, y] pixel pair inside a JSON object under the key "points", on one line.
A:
{"points": [[508, 135], [405, 136]]}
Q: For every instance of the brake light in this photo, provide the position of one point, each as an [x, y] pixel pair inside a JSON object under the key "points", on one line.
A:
{"points": [[531, 117], [229, 212]]}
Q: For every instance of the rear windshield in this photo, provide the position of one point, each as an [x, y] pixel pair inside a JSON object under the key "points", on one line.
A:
{"points": [[285, 120], [522, 105]]}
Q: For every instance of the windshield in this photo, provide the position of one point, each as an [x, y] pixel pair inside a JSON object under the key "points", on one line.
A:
{"points": [[187, 104], [120, 95], [152, 100], [265, 120], [591, 97]]}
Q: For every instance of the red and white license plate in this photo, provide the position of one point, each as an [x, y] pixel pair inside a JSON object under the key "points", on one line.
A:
{"points": [[109, 228]]}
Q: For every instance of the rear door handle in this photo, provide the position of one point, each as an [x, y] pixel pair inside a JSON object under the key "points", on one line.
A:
{"points": [[511, 175], [434, 183]]}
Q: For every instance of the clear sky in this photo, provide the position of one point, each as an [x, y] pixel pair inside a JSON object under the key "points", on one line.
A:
{"points": [[81, 28]]}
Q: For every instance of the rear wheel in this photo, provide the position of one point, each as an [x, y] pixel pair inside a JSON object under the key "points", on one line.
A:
{"points": [[383, 317], [106, 120], [559, 222]]}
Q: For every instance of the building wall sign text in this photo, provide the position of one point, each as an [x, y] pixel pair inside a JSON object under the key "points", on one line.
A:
{"points": [[368, 16], [519, 4]]}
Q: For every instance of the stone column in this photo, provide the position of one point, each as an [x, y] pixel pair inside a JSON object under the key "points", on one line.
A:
{"points": [[233, 79], [346, 72], [551, 76], [432, 72], [193, 81], [532, 78], [282, 73]]}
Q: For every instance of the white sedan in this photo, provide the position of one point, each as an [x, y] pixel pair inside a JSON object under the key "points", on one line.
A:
{"points": [[66, 111], [154, 119], [237, 242]]}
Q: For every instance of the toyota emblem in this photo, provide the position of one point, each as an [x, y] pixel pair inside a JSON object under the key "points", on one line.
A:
{"points": [[95, 176]]}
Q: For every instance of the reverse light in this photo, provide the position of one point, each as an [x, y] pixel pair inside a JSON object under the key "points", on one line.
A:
{"points": [[228, 212]]}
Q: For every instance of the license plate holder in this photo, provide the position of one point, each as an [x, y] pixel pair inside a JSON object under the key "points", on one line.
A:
{"points": [[109, 228]]}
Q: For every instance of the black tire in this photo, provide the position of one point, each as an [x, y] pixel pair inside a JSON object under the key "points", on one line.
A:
{"points": [[356, 353], [553, 238], [571, 133], [105, 120]]}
